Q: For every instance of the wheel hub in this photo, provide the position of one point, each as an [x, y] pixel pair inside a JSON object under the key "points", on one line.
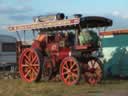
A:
{"points": [[92, 70]]}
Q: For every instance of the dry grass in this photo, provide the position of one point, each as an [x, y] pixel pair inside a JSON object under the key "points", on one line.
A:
{"points": [[20, 88]]}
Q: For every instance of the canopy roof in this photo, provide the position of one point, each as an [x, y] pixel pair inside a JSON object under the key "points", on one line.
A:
{"points": [[95, 21], [90, 22]]}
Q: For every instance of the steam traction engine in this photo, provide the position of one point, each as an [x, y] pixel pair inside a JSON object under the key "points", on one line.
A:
{"points": [[63, 46]]}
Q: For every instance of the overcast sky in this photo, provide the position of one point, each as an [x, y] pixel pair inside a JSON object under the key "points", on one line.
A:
{"points": [[22, 11]]}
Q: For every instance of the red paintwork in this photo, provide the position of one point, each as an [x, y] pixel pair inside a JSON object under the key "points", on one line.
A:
{"points": [[40, 42], [57, 54], [36, 44], [53, 47], [64, 52]]}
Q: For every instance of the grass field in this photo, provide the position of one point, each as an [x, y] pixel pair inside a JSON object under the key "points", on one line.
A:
{"points": [[20, 88]]}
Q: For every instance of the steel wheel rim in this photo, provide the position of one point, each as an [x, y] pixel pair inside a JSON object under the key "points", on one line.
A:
{"points": [[70, 71], [95, 72], [29, 65]]}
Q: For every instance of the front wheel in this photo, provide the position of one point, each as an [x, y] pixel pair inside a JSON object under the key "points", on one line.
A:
{"points": [[70, 71]]}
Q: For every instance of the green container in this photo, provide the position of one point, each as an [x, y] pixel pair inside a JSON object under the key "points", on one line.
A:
{"points": [[115, 52]]}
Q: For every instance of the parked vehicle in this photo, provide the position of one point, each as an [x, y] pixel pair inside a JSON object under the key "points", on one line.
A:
{"points": [[68, 47], [7, 54]]}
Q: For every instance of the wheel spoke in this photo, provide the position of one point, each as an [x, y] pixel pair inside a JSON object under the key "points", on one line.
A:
{"points": [[74, 75], [35, 65], [93, 63], [26, 69], [24, 65], [96, 65], [30, 56], [66, 68], [72, 65], [26, 62], [64, 73], [67, 78], [90, 64], [98, 73], [74, 70], [26, 57], [34, 60], [27, 73], [36, 69], [32, 75], [66, 65]]}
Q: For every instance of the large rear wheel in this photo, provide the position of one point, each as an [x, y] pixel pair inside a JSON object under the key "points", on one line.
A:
{"points": [[30, 63], [70, 71], [94, 71]]}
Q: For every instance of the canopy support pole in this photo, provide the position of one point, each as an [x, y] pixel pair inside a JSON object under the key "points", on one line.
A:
{"points": [[18, 35], [105, 28], [77, 32], [24, 35], [98, 28], [33, 31]]}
